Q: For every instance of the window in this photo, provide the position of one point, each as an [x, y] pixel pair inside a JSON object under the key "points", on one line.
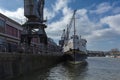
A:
{"points": [[2, 23], [11, 31], [2, 40], [19, 33]]}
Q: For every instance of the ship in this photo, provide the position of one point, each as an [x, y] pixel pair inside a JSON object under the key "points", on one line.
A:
{"points": [[73, 47]]}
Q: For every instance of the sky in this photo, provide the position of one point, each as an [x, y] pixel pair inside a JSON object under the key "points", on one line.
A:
{"points": [[97, 21]]}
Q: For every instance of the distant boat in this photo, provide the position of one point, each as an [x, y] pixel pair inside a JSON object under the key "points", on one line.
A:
{"points": [[74, 48]]}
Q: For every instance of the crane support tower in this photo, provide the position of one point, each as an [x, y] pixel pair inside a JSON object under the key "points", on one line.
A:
{"points": [[34, 27]]}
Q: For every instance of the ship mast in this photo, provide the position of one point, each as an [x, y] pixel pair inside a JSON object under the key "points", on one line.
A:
{"points": [[74, 23], [74, 34], [70, 25]]}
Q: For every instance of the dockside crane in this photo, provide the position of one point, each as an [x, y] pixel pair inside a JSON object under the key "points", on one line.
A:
{"points": [[65, 34], [61, 42], [34, 27], [69, 26]]}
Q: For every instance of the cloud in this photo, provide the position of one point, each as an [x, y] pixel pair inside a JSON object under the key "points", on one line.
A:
{"points": [[105, 33], [49, 14], [17, 15], [55, 28], [113, 22], [61, 23], [56, 8], [60, 4], [104, 36], [102, 8]]}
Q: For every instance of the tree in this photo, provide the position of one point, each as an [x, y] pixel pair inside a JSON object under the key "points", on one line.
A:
{"points": [[115, 51]]}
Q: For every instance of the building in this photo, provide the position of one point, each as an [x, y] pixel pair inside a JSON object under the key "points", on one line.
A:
{"points": [[96, 53], [52, 46], [10, 32]]}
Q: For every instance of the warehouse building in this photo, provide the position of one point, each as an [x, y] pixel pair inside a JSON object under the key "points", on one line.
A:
{"points": [[9, 34]]}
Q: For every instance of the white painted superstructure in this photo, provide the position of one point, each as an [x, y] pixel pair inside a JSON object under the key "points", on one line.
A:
{"points": [[75, 43]]}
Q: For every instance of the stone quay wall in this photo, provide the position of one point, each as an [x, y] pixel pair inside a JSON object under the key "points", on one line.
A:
{"points": [[14, 64]]}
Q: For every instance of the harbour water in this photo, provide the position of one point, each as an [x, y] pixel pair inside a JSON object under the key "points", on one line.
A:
{"points": [[97, 68]]}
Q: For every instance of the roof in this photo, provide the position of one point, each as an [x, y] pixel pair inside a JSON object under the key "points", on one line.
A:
{"points": [[2, 15]]}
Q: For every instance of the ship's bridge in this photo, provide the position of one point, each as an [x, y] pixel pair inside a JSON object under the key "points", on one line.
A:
{"points": [[74, 37]]}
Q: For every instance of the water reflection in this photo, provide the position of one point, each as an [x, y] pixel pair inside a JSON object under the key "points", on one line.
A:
{"points": [[61, 71], [68, 72], [76, 72], [95, 69]]}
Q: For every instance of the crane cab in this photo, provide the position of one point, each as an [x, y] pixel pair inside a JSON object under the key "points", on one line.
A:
{"points": [[30, 7]]}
